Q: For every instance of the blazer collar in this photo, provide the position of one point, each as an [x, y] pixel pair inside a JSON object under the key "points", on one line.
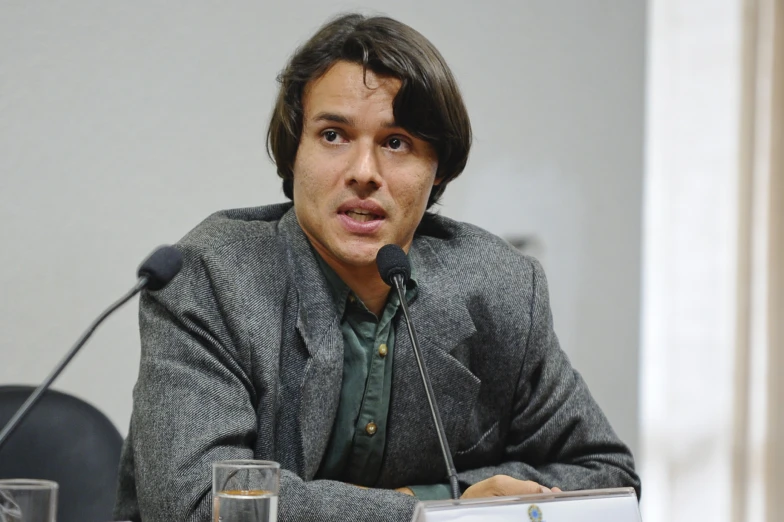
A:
{"points": [[446, 321], [439, 315], [317, 311]]}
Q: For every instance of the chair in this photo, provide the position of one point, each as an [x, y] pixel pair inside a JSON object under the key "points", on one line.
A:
{"points": [[66, 440]]}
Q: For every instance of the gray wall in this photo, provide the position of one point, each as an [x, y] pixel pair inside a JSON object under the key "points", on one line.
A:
{"points": [[122, 125]]}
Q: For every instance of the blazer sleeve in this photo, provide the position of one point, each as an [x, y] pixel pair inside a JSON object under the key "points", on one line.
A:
{"points": [[558, 435], [194, 405]]}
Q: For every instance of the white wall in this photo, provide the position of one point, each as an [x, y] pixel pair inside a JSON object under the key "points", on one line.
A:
{"points": [[122, 125]]}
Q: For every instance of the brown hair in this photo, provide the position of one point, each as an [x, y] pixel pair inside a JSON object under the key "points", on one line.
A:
{"points": [[428, 104]]}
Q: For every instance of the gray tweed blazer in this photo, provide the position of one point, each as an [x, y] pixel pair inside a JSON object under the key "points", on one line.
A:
{"points": [[242, 358]]}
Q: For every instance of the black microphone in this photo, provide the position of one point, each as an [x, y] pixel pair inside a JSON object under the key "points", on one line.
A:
{"points": [[154, 273], [395, 270], [160, 267]]}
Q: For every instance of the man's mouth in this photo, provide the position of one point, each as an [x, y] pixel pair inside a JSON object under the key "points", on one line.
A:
{"points": [[362, 216]]}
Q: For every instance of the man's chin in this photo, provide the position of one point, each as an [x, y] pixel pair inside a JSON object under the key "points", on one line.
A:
{"points": [[360, 256], [361, 261]]}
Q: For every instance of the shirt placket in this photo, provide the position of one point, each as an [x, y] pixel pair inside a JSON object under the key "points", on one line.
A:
{"points": [[370, 429]]}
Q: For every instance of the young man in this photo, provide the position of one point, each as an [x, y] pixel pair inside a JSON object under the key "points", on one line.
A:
{"points": [[280, 341]]}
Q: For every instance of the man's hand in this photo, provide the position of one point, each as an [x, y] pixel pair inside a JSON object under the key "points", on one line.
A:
{"points": [[505, 486], [405, 490]]}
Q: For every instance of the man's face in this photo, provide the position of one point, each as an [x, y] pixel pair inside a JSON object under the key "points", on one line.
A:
{"points": [[360, 182]]}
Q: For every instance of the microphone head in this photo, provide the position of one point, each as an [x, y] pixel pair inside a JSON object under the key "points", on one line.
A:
{"points": [[392, 261], [161, 267]]}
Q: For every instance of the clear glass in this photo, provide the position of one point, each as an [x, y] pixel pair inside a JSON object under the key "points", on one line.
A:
{"points": [[245, 491], [27, 500]]}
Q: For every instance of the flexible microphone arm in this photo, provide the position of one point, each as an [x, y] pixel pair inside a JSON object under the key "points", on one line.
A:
{"points": [[154, 273], [431, 400], [36, 395]]}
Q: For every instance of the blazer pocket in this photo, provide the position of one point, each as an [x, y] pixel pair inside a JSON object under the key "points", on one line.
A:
{"points": [[486, 440]]}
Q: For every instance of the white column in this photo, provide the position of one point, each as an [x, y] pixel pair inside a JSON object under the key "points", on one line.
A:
{"points": [[689, 260]]}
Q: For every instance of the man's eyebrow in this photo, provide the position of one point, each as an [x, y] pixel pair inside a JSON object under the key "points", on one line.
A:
{"points": [[346, 120], [334, 118]]}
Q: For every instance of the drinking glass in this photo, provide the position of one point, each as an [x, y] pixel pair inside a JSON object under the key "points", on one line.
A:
{"points": [[28, 500], [245, 491]]}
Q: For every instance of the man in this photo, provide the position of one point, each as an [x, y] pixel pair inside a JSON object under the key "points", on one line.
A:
{"points": [[280, 341]]}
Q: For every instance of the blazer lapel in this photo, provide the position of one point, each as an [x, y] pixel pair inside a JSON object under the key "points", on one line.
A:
{"points": [[444, 328], [318, 324]]}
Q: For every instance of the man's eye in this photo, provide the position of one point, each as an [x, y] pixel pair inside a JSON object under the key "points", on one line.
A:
{"points": [[396, 143], [330, 136]]}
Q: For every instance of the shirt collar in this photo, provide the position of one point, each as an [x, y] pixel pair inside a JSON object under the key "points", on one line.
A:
{"points": [[342, 294]]}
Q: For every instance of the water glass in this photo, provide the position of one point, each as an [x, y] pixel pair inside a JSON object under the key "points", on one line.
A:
{"points": [[28, 500], [245, 491]]}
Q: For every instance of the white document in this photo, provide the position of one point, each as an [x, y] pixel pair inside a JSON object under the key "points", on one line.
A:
{"points": [[603, 505]]}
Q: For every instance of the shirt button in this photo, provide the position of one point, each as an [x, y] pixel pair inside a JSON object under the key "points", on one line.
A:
{"points": [[351, 298], [371, 428], [382, 350]]}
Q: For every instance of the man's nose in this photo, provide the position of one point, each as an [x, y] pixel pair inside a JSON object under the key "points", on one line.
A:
{"points": [[364, 170]]}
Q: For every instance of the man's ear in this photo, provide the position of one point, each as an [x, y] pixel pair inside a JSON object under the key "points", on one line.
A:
{"points": [[438, 181]]}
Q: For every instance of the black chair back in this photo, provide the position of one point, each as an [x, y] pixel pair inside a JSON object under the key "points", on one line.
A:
{"points": [[66, 440]]}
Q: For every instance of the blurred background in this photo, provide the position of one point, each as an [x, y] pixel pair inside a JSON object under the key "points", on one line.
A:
{"points": [[634, 147]]}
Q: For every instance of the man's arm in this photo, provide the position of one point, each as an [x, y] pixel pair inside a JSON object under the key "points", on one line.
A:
{"points": [[558, 436], [194, 405]]}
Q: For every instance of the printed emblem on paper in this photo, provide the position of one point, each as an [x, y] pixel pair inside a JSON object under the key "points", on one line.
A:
{"points": [[534, 513]]}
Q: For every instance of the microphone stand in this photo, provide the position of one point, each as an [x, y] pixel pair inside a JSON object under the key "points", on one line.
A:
{"points": [[36, 395], [450, 465]]}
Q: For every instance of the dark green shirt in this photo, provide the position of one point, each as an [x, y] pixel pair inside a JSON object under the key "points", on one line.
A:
{"points": [[356, 447]]}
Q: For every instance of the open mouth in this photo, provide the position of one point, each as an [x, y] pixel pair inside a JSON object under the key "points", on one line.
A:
{"points": [[362, 216]]}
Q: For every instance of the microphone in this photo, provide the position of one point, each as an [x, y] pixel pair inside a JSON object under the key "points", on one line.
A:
{"points": [[395, 270], [160, 267], [154, 273]]}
